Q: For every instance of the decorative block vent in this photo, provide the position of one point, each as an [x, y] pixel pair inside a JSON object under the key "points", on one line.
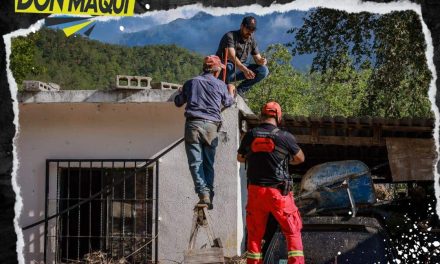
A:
{"points": [[166, 86], [133, 82], [37, 86]]}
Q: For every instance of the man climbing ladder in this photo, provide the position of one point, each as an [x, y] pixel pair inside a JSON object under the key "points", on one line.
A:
{"points": [[204, 96]]}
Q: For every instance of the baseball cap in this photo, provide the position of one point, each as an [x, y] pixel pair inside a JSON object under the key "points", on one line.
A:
{"points": [[213, 61], [272, 109], [249, 22]]}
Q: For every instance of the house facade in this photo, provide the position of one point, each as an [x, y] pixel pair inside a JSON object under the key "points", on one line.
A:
{"points": [[87, 166], [108, 171]]}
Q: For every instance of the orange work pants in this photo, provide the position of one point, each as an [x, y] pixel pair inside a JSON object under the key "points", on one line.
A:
{"points": [[263, 201]]}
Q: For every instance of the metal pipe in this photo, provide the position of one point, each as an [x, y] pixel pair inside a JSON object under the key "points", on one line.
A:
{"points": [[156, 218], [79, 214], [46, 211], [225, 63]]}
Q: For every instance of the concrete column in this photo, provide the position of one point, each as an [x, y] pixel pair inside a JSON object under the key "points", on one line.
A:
{"points": [[177, 197]]}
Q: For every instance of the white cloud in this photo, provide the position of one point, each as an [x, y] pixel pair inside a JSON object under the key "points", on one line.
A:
{"points": [[281, 21]]}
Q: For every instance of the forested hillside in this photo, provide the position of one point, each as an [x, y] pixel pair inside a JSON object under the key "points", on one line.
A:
{"points": [[79, 63], [363, 65]]}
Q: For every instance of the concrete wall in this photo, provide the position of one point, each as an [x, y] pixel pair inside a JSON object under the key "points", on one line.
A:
{"points": [[81, 131], [177, 197], [127, 131]]}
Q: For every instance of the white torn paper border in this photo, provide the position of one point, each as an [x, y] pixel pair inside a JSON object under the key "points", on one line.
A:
{"points": [[14, 89], [188, 12]]}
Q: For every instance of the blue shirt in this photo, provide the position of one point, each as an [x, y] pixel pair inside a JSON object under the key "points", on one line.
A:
{"points": [[204, 96]]}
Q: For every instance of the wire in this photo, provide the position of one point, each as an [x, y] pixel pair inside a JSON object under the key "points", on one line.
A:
{"points": [[146, 244], [174, 261]]}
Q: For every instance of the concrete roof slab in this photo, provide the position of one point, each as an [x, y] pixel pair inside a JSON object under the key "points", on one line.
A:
{"points": [[96, 96]]}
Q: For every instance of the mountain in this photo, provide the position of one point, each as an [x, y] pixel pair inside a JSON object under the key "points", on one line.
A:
{"points": [[202, 32]]}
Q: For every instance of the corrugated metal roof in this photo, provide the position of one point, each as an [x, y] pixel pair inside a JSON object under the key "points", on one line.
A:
{"points": [[325, 139], [352, 127], [358, 122]]}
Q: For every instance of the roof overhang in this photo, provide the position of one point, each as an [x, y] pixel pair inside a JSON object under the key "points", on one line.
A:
{"points": [[378, 142], [351, 131]]}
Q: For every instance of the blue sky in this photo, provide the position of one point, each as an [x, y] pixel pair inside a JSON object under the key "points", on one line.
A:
{"points": [[197, 31]]}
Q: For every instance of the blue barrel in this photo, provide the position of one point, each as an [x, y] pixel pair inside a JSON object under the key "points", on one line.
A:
{"points": [[324, 184]]}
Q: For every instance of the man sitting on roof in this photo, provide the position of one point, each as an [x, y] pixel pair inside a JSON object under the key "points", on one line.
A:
{"points": [[236, 46]]}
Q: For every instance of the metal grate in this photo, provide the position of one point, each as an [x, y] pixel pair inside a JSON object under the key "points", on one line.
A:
{"points": [[118, 222]]}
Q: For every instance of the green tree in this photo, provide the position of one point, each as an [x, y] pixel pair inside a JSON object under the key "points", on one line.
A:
{"points": [[23, 64], [79, 63], [339, 91], [392, 45], [284, 84], [400, 80]]}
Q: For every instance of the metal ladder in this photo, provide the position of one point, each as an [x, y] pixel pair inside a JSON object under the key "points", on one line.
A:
{"points": [[214, 254]]}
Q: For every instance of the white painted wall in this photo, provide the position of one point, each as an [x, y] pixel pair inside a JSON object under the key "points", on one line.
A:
{"points": [[125, 131], [177, 197]]}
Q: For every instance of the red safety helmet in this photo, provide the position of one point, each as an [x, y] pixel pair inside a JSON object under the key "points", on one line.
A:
{"points": [[272, 109]]}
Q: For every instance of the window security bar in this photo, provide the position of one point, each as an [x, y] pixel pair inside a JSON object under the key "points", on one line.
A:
{"points": [[124, 212]]}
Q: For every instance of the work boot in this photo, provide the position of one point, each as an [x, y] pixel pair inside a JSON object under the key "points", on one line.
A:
{"points": [[204, 199]]}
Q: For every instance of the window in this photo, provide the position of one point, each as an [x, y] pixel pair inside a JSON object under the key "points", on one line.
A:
{"points": [[117, 223]]}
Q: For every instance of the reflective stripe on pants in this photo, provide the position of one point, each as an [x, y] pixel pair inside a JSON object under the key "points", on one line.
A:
{"points": [[254, 256], [263, 201], [295, 253]]}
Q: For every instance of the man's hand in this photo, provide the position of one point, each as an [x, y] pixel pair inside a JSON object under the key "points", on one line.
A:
{"points": [[248, 74], [231, 89], [260, 60]]}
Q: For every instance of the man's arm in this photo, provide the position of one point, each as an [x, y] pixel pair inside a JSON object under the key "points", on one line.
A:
{"points": [[255, 52], [243, 149], [241, 158], [260, 60], [180, 98], [298, 158], [231, 89], [248, 74], [228, 40], [228, 95], [298, 155]]}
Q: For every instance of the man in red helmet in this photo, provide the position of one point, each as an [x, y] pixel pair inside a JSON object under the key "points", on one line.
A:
{"points": [[267, 150], [204, 96]]}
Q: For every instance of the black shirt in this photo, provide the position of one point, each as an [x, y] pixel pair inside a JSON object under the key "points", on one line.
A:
{"points": [[268, 168], [242, 47]]}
